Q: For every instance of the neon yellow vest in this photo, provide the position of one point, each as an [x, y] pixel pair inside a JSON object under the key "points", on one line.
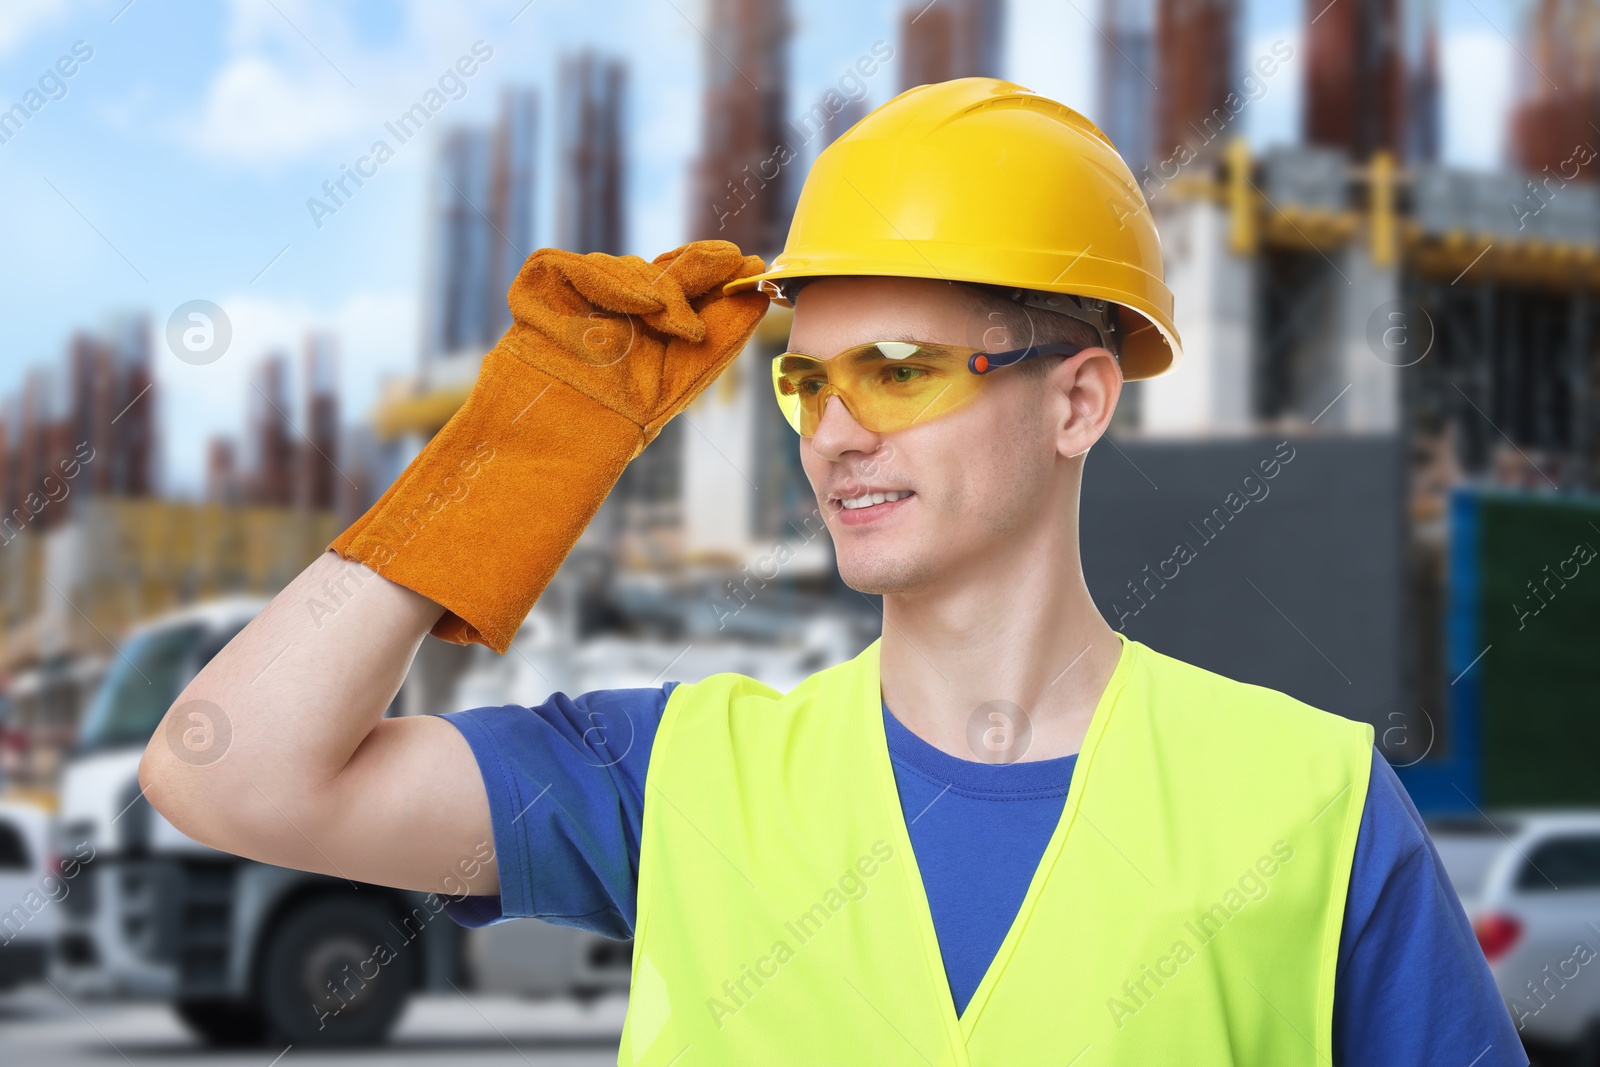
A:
{"points": [[1186, 910]]}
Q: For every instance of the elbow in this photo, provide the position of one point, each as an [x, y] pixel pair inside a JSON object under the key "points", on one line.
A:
{"points": [[181, 775], [165, 782], [152, 776]]}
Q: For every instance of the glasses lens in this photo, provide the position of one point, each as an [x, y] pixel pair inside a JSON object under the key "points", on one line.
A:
{"points": [[792, 377], [886, 385]]}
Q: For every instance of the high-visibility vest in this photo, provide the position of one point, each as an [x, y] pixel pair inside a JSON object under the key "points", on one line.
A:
{"points": [[1186, 910]]}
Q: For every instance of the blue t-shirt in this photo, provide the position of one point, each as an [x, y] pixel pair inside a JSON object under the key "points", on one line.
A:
{"points": [[566, 778]]}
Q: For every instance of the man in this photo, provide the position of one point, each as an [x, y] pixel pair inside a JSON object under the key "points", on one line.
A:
{"points": [[1005, 833]]}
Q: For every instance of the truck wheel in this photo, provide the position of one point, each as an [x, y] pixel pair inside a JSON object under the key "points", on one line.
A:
{"points": [[222, 1023], [335, 974]]}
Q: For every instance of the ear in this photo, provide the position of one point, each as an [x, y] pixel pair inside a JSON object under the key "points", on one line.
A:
{"points": [[1081, 394]]}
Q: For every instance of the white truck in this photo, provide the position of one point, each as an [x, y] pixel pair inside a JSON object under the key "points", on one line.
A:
{"points": [[246, 951]]}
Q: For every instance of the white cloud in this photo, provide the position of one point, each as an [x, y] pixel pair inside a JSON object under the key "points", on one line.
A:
{"points": [[376, 337], [297, 79], [257, 112], [1051, 48], [23, 18]]}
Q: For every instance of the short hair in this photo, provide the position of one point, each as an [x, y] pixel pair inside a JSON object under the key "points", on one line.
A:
{"points": [[1027, 325]]}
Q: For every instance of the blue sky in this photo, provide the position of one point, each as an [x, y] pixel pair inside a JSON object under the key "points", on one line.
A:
{"points": [[178, 163]]}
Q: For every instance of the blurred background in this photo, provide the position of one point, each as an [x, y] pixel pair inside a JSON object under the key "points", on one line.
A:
{"points": [[256, 251]]}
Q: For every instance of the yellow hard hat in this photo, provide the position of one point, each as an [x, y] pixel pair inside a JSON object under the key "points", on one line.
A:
{"points": [[982, 180]]}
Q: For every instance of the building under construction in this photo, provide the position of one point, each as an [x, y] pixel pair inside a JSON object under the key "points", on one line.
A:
{"points": [[592, 159], [1550, 120], [956, 39], [480, 227], [1290, 268], [739, 191], [1350, 288], [90, 548]]}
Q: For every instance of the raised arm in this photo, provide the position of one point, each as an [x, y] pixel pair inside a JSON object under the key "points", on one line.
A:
{"points": [[602, 352], [313, 776]]}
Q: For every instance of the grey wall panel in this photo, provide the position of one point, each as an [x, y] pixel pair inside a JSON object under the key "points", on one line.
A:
{"points": [[1292, 581]]}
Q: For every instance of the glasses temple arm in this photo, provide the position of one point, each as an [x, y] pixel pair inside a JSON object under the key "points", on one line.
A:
{"points": [[984, 362]]}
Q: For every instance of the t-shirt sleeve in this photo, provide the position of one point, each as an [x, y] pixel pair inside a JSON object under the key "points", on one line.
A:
{"points": [[1413, 986], [565, 781]]}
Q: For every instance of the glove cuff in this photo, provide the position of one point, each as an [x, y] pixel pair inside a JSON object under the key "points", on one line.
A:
{"points": [[483, 517]]}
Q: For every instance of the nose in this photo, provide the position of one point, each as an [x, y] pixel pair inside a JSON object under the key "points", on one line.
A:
{"points": [[838, 433]]}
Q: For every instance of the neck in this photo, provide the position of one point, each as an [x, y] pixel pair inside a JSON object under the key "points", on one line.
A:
{"points": [[1016, 631]]}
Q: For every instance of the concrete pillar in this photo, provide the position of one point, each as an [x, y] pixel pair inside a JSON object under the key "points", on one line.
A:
{"points": [[1214, 309], [1371, 304], [719, 461]]}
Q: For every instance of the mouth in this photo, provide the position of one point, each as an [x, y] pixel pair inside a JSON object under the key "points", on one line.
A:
{"points": [[869, 507]]}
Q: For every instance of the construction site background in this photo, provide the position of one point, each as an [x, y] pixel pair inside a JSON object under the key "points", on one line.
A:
{"points": [[1350, 286]]}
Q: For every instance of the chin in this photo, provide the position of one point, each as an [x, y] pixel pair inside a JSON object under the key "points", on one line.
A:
{"points": [[878, 575]]}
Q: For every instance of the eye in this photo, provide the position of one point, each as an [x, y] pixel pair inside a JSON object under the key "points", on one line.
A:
{"points": [[901, 375]]}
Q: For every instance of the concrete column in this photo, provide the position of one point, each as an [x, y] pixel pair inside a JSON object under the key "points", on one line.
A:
{"points": [[1373, 403], [719, 461], [1214, 307]]}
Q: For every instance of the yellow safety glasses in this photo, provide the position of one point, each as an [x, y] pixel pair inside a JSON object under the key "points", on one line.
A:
{"points": [[890, 385]]}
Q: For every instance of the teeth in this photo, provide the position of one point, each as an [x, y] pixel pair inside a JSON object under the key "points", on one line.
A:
{"points": [[868, 499]]}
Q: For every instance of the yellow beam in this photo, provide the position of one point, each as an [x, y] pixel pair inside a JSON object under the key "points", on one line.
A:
{"points": [[1242, 200], [423, 413], [1381, 179]]}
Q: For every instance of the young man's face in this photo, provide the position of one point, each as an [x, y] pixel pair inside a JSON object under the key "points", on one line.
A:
{"points": [[982, 479]]}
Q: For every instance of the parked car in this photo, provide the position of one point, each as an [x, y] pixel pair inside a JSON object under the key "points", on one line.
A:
{"points": [[32, 886], [1530, 882]]}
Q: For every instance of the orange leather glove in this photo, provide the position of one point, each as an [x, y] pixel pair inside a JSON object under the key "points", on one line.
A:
{"points": [[602, 351]]}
